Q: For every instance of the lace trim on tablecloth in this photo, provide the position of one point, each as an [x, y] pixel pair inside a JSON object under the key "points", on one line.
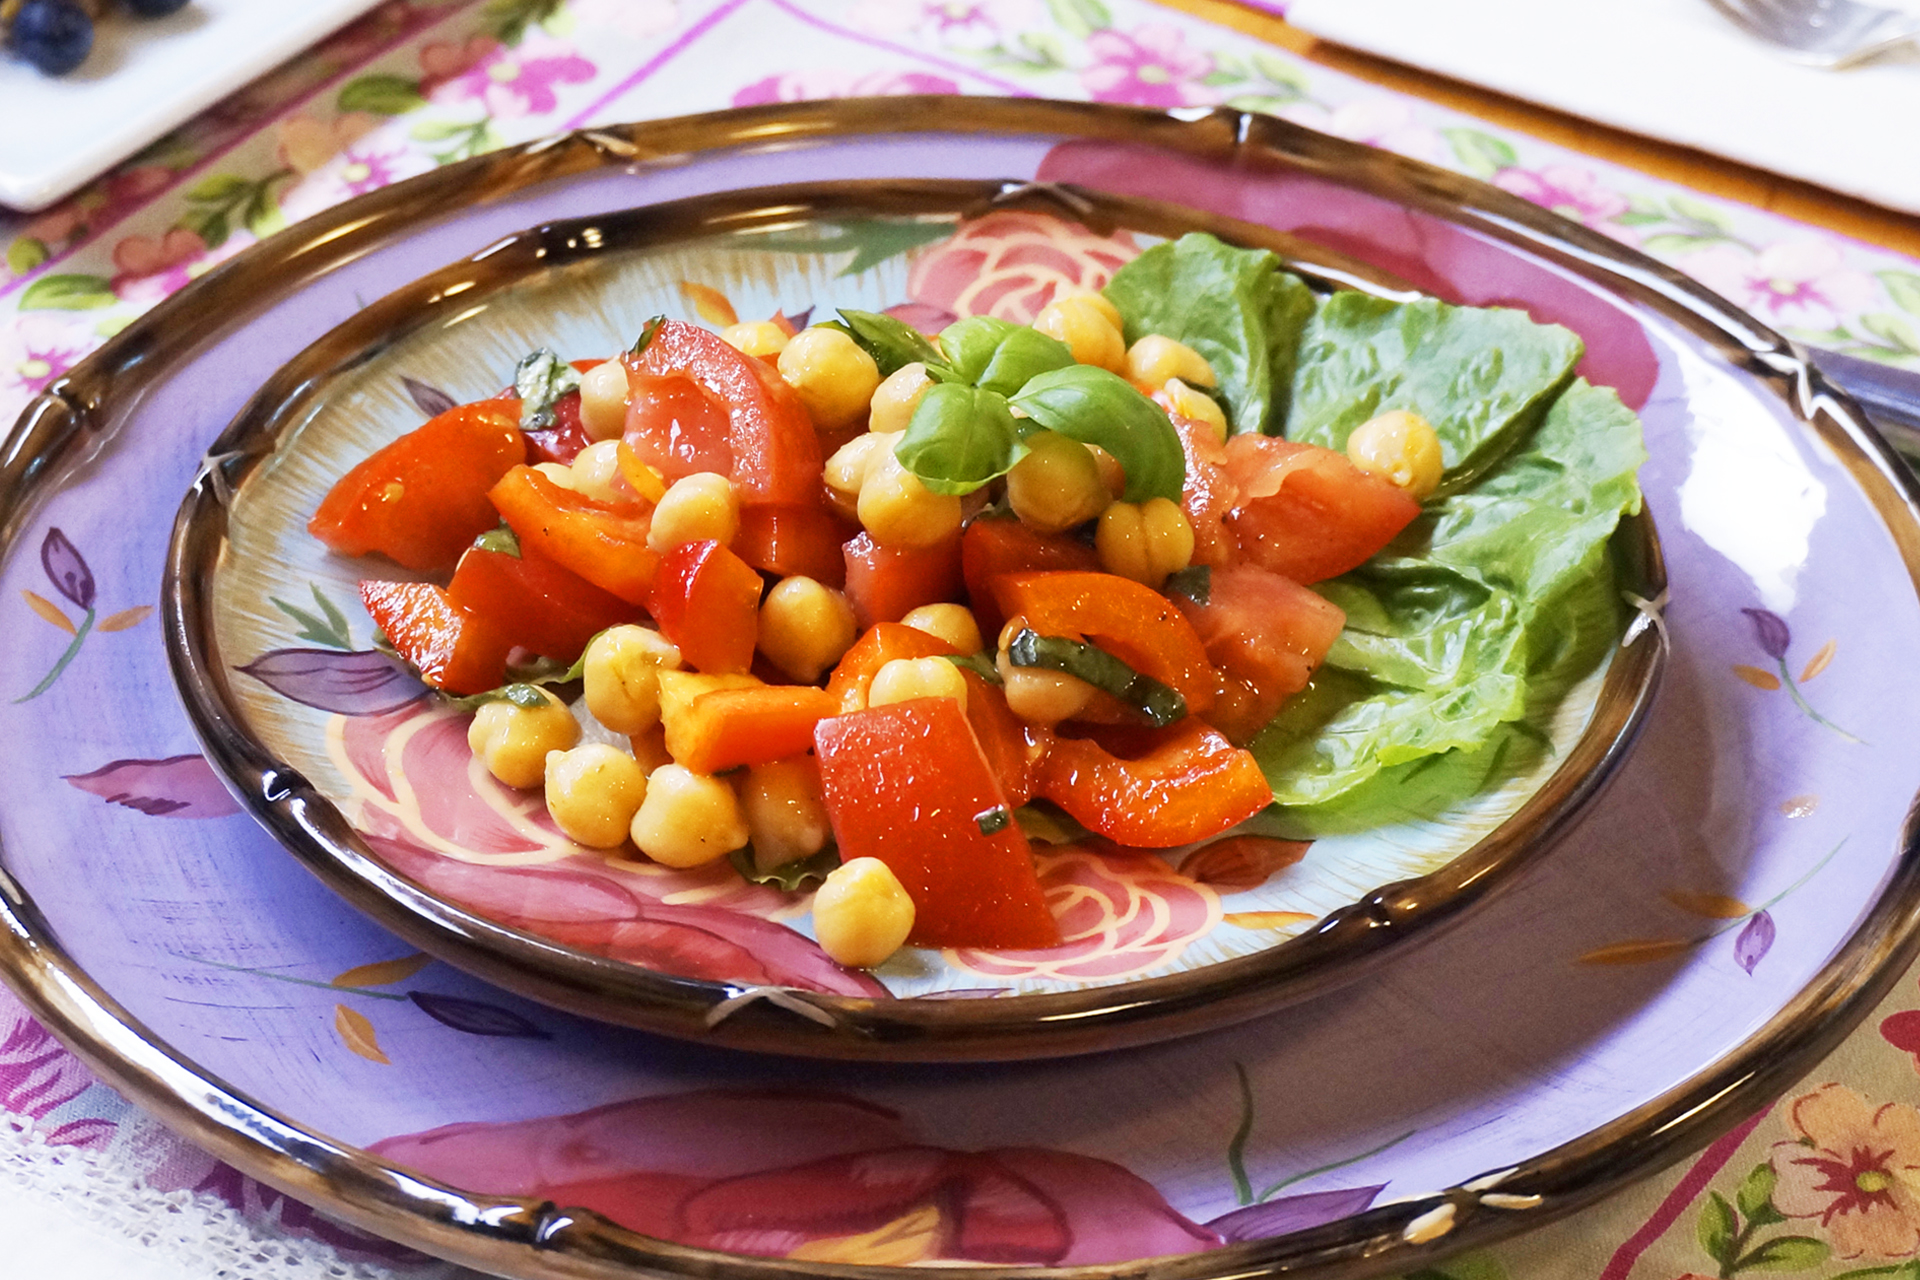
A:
{"points": [[201, 1232]]}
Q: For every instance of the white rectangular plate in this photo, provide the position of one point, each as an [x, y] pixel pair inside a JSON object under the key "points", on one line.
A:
{"points": [[144, 77]]}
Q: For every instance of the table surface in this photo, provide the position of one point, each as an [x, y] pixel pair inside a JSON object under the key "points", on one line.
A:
{"points": [[1825, 1183]]}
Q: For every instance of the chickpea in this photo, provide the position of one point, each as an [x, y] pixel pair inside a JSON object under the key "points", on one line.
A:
{"points": [[513, 741], [756, 337], [835, 378], [1155, 358], [953, 623], [1057, 485], [596, 473], [592, 793], [687, 818], [1144, 541], [622, 674], [1040, 696], [1087, 324], [895, 399], [1402, 449], [695, 508], [805, 627], [558, 472], [785, 811], [905, 679], [1196, 406], [901, 512], [603, 400], [862, 914], [846, 471]]}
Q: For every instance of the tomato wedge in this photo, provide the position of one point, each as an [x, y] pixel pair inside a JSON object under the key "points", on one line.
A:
{"points": [[1192, 785], [1264, 635], [885, 584], [1308, 513], [881, 644], [1207, 494], [605, 544], [993, 547], [451, 649], [707, 601], [422, 500], [907, 784], [536, 603], [788, 539], [1133, 622], [699, 404]]}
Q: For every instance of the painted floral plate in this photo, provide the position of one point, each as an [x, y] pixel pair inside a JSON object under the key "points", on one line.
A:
{"points": [[373, 786], [1741, 895]]}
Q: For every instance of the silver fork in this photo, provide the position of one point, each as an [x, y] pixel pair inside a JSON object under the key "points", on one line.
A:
{"points": [[1834, 34]]}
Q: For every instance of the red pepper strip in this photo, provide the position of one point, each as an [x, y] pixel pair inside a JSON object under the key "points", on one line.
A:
{"points": [[993, 547], [1134, 623], [907, 784], [451, 649], [1012, 746], [707, 601], [605, 544], [537, 603], [1193, 785], [729, 727]]}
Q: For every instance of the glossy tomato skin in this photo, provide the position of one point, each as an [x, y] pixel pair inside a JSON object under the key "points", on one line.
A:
{"points": [[1131, 621], [1192, 784], [422, 500], [1265, 636], [604, 543], [1207, 494], [789, 539], [887, 583], [907, 784], [707, 601], [453, 650], [699, 404], [1308, 513], [1013, 747], [993, 547], [539, 604]]}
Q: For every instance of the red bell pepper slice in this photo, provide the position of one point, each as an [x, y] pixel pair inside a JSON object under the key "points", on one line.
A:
{"points": [[730, 727], [707, 601], [1308, 513], [697, 403], [885, 584], [452, 649], [1133, 622], [789, 539], [1013, 747], [881, 644], [422, 500], [1193, 785], [538, 604], [907, 784], [603, 543], [993, 548]]}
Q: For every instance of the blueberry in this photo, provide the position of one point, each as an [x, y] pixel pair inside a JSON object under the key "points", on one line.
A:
{"points": [[155, 8], [53, 35]]}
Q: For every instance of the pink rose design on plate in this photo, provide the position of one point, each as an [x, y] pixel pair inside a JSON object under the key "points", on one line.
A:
{"points": [[33, 352], [1012, 264], [151, 267], [1149, 67], [514, 82], [442, 63], [1390, 124], [1803, 284], [1122, 912], [831, 82], [1568, 190]]}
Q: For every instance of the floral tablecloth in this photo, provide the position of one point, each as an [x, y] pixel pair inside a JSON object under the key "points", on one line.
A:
{"points": [[1826, 1183]]}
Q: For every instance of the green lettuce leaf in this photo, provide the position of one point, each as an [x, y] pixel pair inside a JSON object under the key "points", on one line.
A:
{"points": [[1482, 376], [1234, 306]]}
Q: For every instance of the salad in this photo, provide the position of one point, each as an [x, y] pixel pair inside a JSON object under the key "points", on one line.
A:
{"points": [[855, 604]]}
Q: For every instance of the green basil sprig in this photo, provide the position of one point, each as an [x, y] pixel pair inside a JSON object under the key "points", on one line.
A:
{"points": [[540, 379], [1097, 407], [959, 438], [998, 355], [893, 344]]}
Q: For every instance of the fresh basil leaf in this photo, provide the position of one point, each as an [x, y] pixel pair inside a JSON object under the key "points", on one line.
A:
{"points": [[1097, 407], [520, 694], [1048, 824], [959, 438], [790, 876], [1236, 307], [499, 538], [1195, 582], [648, 332], [978, 663], [893, 344], [540, 379], [1483, 377], [1159, 703], [999, 356]]}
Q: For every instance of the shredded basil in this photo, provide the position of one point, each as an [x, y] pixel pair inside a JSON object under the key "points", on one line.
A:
{"points": [[1159, 703], [993, 821], [648, 332], [1195, 582], [541, 378], [790, 876], [978, 663], [501, 539]]}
